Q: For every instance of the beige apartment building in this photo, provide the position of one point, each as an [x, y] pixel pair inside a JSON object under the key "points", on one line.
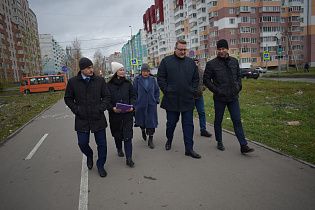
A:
{"points": [[19, 42], [255, 29]]}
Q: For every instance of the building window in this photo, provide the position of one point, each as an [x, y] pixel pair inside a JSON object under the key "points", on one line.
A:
{"points": [[232, 42], [231, 11], [231, 1], [244, 30], [232, 31], [245, 19], [233, 51], [232, 20]]}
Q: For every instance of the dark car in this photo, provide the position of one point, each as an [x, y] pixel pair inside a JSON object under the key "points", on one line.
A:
{"points": [[249, 73]]}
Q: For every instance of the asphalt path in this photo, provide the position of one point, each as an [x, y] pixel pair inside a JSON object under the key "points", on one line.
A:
{"points": [[288, 79], [41, 167]]}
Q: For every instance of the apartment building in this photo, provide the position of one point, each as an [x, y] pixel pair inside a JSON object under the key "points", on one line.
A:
{"points": [[53, 55], [135, 48], [19, 43], [115, 57], [252, 28]]}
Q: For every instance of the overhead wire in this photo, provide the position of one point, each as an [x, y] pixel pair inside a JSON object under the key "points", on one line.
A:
{"points": [[86, 40]]}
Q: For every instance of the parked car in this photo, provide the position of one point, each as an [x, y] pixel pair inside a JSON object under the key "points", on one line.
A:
{"points": [[249, 73], [261, 70]]}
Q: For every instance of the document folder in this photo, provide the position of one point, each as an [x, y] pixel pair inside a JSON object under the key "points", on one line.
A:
{"points": [[123, 107]]}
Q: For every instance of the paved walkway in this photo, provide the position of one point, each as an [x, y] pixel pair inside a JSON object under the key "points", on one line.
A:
{"points": [[160, 179]]}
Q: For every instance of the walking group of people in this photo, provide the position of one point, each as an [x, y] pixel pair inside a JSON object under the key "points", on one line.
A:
{"points": [[182, 84]]}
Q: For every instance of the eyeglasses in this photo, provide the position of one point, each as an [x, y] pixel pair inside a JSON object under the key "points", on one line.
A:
{"points": [[181, 49]]}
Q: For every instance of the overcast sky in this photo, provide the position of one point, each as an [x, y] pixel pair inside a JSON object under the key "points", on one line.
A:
{"points": [[104, 23]]}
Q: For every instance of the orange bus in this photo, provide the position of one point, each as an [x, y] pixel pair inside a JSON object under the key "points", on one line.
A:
{"points": [[43, 83]]}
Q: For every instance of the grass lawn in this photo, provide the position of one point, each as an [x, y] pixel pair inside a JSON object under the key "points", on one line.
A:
{"points": [[266, 108], [16, 109]]}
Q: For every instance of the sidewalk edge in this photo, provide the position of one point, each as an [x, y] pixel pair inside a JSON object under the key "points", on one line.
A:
{"points": [[269, 148]]}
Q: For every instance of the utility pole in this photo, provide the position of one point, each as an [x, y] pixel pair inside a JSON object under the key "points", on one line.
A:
{"points": [[279, 44], [307, 33], [267, 59], [132, 67]]}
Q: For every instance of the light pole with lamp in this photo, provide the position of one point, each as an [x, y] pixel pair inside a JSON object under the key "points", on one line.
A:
{"points": [[132, 68]]}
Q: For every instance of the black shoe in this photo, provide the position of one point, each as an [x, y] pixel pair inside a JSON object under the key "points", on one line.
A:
{"points": [[205, 133], [120, 153], [129, 162], [89, 162], [168, 145], [102, 172], [220, 146], [144, 135], [246, 149], [192, 154], [150, 142]]}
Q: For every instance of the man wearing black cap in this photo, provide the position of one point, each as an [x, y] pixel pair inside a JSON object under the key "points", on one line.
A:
{"points": [[87, 96], [223, 78]]}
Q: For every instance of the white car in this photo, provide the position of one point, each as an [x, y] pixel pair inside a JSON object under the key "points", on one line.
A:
{"points": [[261, 70]]}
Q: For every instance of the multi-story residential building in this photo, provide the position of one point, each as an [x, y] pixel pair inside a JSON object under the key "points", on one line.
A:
{"points": [[116, 57], [19, 43], [252, 28], [53, 55], [135, 48], [159, 24]]}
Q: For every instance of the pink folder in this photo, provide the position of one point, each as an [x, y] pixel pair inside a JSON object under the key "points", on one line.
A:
{"points": [[123, 107]]}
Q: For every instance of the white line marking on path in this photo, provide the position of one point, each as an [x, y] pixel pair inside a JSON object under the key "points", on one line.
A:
{"points": [[36, 147], [83, 199]]}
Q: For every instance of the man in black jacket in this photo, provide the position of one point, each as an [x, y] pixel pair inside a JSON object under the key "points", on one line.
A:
{"points": [[222, 76], [87, 96], [178, 79]]}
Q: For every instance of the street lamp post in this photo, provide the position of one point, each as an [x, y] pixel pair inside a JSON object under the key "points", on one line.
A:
{"points": [[132, 68]]}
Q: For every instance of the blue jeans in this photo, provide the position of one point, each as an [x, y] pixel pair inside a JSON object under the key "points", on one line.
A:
{"points": [[100, 139], [200, 106], [187, 126], [234, 109], [127, 146]]}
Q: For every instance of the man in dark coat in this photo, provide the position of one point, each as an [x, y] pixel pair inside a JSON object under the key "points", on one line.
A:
{"points": [[222, 76], [178, 79], [87, 96], [200, 104]]}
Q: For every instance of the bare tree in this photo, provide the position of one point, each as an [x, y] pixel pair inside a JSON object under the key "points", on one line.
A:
{"points": [[73, 56], [98, 62]]}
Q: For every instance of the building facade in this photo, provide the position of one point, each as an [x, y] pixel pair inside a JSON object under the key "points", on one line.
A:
{"points": [[255, 29], [136, 48], [116, 57], [53, 55], [19, 42]]}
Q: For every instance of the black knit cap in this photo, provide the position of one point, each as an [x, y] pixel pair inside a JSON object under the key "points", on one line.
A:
{"points": [[222, 43], [84, 63]]}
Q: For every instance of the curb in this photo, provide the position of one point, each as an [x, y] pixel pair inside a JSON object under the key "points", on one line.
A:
{"points": [[266, 147]]}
